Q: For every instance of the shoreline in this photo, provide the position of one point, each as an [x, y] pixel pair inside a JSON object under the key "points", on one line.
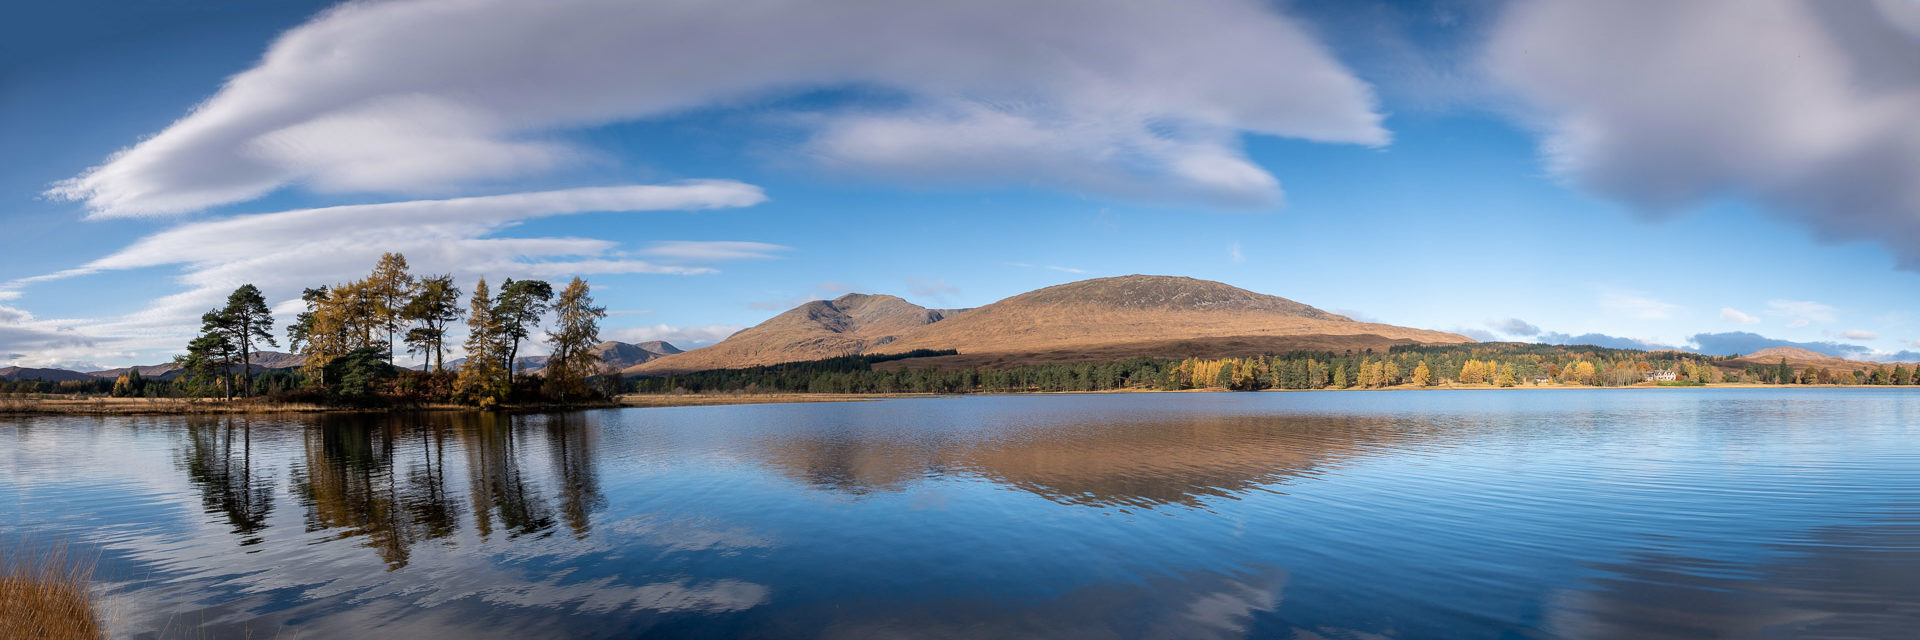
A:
{"points": [[58, 406], [23, 407]]}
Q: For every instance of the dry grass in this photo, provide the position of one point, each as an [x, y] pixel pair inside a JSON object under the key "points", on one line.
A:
{"points": [[44, 595]]}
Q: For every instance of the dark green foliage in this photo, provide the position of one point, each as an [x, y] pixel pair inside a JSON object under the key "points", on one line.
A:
{"points": [[518, 308], [357, 378]]}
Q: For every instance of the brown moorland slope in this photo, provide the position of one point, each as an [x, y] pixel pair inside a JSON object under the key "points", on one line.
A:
{"points": [[849, 324], [1146, 316], [1102, 319], [1799, 358]]}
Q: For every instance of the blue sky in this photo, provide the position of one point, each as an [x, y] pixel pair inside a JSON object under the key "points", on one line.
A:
{"points": [[1623, 173]]}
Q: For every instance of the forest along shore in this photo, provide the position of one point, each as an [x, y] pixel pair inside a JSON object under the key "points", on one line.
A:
{"points": [[56, 405]]}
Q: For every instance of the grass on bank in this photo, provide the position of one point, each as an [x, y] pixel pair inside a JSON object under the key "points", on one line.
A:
{"points": [[45, 595]]}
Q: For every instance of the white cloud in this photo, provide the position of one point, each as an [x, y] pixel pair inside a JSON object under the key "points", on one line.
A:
{"points": [[1514, 327], [1066, 269], [1233, 253], [683, 337], [1859, 334], [31, 342], [723, 250], [1800, 313], [285, 251], [1134, 99], [1806, 106], [1636, 305], [1737, 316]]}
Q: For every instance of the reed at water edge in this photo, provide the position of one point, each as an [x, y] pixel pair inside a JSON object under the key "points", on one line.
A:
{"points": [[45, 595]]}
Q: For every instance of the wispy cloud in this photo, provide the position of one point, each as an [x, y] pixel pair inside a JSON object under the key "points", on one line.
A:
{"points": [[285, 251], [1800, 313], [712, 251], [1859, 334], [1135, 99], [1233, 253], [683, 337], [1737, 316], [1636, 305]]}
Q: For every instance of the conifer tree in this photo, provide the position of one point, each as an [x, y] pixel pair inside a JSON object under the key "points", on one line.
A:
{"points": [[517, 312], [435, 304], [244, 321], [388, 290], [482, 379], [1422, 377], [576, 330]]}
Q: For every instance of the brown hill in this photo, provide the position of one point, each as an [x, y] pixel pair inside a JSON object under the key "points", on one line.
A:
{"points": [[1092, 320], [849, 324], [1146, 316], [619, 355], [1799, 358]]}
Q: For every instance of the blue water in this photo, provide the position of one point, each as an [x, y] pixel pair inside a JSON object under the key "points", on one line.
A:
{"points": [[1410, 514]]}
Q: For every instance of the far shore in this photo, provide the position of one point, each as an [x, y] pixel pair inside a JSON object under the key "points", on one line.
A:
{"points": [[59, 405]]}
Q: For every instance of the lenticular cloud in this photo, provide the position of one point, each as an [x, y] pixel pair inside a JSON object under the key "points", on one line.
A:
{"points": [[1126, 98]]}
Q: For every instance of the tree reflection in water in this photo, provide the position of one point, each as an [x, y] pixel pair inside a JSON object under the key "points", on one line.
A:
{"points": [[224, 472], [386, 480]]}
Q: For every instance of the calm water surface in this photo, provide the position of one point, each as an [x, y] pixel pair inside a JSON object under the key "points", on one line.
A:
{"points": [[1578, 514]]}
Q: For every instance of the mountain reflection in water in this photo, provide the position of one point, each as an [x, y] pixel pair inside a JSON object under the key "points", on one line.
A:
{"points": [[1564, 514]]}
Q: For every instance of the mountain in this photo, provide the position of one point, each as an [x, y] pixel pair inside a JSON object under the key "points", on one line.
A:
{"points": [[1102, 319], [261, 361], [620, 354], [1799, 358], [49, 375], [849, 324]]}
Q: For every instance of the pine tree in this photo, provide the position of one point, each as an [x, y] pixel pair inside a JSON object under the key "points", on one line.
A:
{"points": [[244, 321], [435, 304], [517, 312], [388, 291], [482, 379], [576, 331]]}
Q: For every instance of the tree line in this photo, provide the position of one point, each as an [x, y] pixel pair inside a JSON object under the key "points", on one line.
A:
{"points": [[349, 332], [1495, 364]]}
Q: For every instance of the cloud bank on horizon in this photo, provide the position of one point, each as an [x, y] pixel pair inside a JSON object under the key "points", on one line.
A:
{"points": [[409, 96]]}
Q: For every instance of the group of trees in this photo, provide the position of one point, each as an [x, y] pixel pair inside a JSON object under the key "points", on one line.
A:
{"points": [[349, 332], [1497, 364]]}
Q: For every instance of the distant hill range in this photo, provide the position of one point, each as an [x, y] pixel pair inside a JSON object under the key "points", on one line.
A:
{"points": [[620, 355], [1103, 319], [261, 361]]}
